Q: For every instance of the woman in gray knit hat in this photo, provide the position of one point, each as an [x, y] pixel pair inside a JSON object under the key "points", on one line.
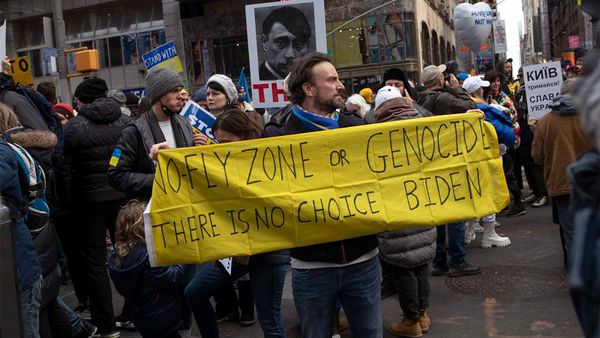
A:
{"points": [[221, 94]]}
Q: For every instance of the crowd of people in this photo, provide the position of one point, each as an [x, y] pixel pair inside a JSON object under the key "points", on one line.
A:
{"points": [[95, 164]]}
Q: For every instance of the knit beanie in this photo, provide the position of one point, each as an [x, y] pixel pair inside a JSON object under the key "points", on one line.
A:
{"points": [[226, 84], [117, 95], [394, 74], [90, 90], [160, 81], [386, 93]]}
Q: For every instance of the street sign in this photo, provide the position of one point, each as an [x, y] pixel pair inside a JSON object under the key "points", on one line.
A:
{"points": [[21, 71]]}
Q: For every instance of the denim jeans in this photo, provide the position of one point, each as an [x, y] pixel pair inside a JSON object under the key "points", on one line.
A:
{"points": [[357, 287], [456, 245], [74, 318], [30, 310], [566, 220], [267, 286]]}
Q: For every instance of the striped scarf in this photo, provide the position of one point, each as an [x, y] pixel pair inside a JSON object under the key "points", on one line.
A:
{"points": [[316, 122]]}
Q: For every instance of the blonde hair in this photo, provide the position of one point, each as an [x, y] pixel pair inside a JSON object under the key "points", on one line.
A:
{"points": [[8, 118], [359, 101], [129, 230]]}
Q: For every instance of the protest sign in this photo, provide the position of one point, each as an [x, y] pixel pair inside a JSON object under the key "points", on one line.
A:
{"points": [[164, 56], [201, 120], [21, 71], [279, 33], [499, 36], [542, 85], [257, 196]]}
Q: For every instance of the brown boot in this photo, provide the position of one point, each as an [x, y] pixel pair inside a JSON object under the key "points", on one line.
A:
{"points": [[408, 328], [424, 322]]}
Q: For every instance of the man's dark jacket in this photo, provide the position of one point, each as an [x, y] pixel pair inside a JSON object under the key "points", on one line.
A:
{"points": [[340, 252], [90, 138], [133, 173]]}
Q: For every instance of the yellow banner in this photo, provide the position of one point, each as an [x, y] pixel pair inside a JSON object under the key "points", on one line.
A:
{"points": [[262, 195]]}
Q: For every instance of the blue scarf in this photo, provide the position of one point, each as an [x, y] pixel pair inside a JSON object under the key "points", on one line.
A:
{"points": [[316, 122]]}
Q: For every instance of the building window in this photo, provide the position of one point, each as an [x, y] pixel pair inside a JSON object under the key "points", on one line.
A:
{"points": [[115, 51], [425, 44], [435, 48], [130, 55], [201, 61], [231, 54], [372, 40]]}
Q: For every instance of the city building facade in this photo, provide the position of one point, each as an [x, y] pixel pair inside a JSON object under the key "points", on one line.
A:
{"points": [[210, 37]]}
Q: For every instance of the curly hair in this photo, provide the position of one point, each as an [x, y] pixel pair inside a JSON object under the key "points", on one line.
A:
{"points": [[129, 228]]}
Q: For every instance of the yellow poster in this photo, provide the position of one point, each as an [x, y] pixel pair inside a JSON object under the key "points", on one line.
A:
{"points": [[262, 195], [21, 71]]}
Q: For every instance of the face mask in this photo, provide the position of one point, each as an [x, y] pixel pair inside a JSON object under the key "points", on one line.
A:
{"points": [[167, 111]]}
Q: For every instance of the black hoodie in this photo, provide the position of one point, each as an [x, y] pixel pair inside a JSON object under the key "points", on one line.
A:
{"points": [[152, 292], [90, 138]]}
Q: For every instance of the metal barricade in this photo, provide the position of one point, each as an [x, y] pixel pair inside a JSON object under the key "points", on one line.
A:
{"points": [[10, 310]]}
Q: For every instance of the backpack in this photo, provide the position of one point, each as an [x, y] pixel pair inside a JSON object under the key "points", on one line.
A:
{"points": [[33, 187]]}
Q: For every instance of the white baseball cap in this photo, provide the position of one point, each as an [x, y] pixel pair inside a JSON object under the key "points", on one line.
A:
{"points": [[472, 83], [386, 93]]}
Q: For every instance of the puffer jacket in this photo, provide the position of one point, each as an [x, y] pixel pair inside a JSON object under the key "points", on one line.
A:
{"points": [[152, 292], [502, 124], [444, 102], [90, 138], [408, 248], [133, 173]]}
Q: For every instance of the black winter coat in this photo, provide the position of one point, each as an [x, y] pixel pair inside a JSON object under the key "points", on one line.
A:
{"points": [[152, 292], [133, 173], [28, 116], [90, 138], [340, 252]]}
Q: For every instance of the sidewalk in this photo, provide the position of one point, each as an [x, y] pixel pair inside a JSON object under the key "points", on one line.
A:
{"points": [[521, 291]]}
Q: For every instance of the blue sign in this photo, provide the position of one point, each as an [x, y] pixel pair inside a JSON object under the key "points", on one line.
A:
{"points": [[139, 92], [201, 120]]}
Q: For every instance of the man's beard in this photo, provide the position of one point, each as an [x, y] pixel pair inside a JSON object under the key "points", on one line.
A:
{"points": [[331, 104]]}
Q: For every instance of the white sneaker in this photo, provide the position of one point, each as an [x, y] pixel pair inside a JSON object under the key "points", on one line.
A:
{"points": [[491, 238]]}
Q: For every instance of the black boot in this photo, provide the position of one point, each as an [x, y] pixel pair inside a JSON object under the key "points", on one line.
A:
{"points": [[246, 301]]}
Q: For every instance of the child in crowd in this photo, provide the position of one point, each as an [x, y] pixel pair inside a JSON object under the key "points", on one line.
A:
{"points": [[152, 292]]}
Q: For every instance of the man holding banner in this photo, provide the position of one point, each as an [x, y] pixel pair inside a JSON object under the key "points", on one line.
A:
{"points": [[132, 164], [317, 270]]}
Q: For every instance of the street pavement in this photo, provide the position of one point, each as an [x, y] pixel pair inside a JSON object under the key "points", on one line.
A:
{"points": [[521, 292]]}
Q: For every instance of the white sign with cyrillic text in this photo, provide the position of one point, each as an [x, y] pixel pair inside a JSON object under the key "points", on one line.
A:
{"points": [[542, 86]]}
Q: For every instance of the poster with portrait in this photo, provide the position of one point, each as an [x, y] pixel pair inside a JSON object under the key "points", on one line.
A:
{"points": [[279, 33]]}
